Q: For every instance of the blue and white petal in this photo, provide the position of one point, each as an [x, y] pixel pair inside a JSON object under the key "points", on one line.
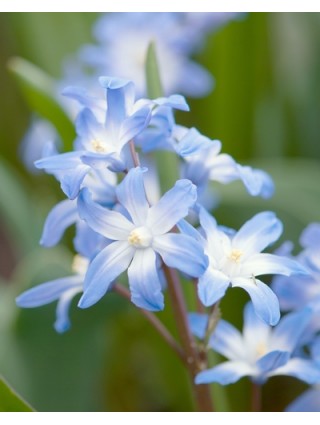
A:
{"points": [[134, 125], [172, 207], [288, 332], [264, 301], [103, 270], [181, 252], [144, 281], [48, 292], [302, 369], [212, 286], [228, 341], [258, 233], [110, 224], [62, 215], [225, 373], [131, 194], [260, 264], [272, 360], [62, 323]]}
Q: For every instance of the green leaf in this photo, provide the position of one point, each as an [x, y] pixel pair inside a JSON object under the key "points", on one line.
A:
{"points": [[17, 210], [10, 401], [167, 162], [154, 86], [39, 92]]}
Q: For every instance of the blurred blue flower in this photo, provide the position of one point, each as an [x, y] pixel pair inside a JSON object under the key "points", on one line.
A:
{"points": [[236, 260], [207, 163], [123, 39], [139, 239], [301, 290], [62, 290], [32, 146], [260, 352], [309, 401], [100, 145]]}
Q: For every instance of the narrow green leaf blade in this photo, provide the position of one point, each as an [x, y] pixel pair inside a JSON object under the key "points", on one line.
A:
{"points": [[167, 162], [39, 92], [10, 401], [154, 86]]}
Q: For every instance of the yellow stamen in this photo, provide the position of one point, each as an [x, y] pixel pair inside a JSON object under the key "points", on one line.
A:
{"points": [[98, 146], [235, 255]]}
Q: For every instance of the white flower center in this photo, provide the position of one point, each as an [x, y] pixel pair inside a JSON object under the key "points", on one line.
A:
{"points": [[80, 264], [261, 349], [99, 146], [235, 255], [140, 237]]}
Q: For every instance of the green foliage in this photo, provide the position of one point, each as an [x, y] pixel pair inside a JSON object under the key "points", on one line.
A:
{"points": [[39, 91], [10, 401], [265, 111]]}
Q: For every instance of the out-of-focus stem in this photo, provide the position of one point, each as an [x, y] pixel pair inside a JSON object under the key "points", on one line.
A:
{"points": [[256, 400], [194, 360], [155, 322]]}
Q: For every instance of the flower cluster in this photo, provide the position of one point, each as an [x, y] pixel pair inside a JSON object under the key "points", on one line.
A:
{"points": [[121, 222], [125, 226]]}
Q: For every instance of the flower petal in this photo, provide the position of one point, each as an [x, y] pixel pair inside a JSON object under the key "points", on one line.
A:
{"points": [[256, 332], [144, 281], [198, 324], [310, 237], [131, 194], [228, 341], [259, 232], [194, 142], [103, 269], [48, 292], [71, 180], [212, 286], [62, 322], [309, 401], [175, 101], [120, 100], [173, 206], [225, 373], [290, 329], [62, 215], [264, 301], [260, 264], [133, 125], [272, 361], [181, 252], [302, 369], [108, 223], [63, 161]]}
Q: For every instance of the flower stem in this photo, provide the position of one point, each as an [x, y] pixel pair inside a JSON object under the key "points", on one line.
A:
{"points": [[155, 322], [134, 154], [256, 400], [194, 360]]}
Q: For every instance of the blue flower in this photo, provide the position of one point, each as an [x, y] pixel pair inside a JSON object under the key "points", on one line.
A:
{"points": [[102, 184], [139, 240], [123, 39], [309, 401], [62, 290], [301, 290], [222, 168], [100, 145], [236, 260], [260, 351]]}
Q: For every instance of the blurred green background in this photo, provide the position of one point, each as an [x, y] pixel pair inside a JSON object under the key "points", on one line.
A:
{"points": [[266, 111]]}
